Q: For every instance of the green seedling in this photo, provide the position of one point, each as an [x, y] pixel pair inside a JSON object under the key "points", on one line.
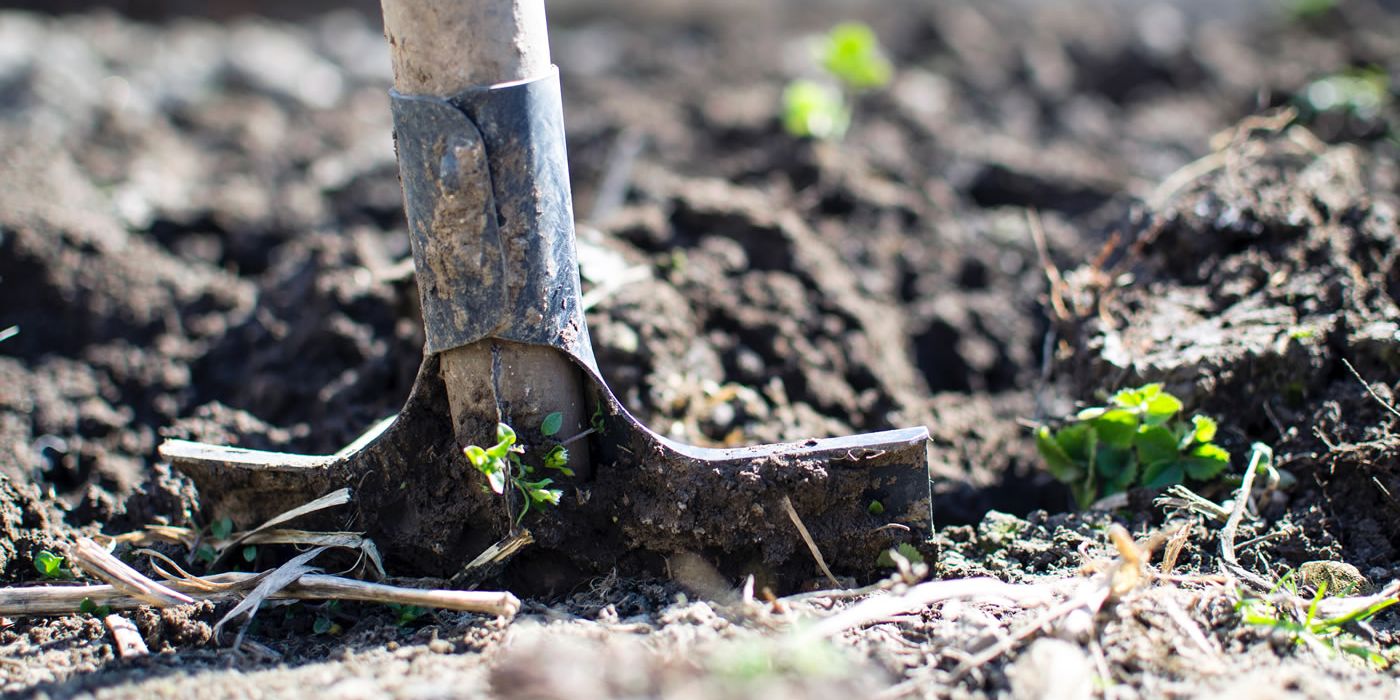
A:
{"points": [[1307, 10], [1359, 92], [324, 623], [1137, 440], [50, 566], [816, 110], [90, 607], [406, 615], [851, 52], [502, 466], [906, 550], [852, 60], [1327, 635], [596, 421], [221, 529]]}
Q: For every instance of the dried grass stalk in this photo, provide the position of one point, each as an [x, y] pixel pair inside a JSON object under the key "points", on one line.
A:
{"points": [[100, 563]]}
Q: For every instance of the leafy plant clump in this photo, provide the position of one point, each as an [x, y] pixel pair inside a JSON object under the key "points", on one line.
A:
{"points": [[503, 466], [852, 60], [1137, 440]]}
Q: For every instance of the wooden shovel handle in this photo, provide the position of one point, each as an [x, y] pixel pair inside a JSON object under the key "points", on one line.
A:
{"points": [[441, 47]]}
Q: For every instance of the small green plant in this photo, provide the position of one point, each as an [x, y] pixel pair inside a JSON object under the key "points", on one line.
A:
{"points": [[1308, 10], [325, 622], [906, 550], [220, 529], [503, 466], [90, 607], [406, 615], [815, 109], [50, 566], [852, 60], [1324, 634], [1359, 92], [1137, 440], [852, 53]]}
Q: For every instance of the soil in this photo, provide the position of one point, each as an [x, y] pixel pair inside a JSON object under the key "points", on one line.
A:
{"points": [[201, 236]]}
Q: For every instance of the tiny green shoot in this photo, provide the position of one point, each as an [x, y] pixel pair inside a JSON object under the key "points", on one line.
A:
{"points": [[90, 607], [852, 53], [851, 61], [1322, 634], [813, 109], [596, 421], [1137, 440], [875, 508], [324, 623], [50, 566], [221, 528], [503, 467], [1307, 10], [906, 550], [406, 615], [1359, 92]]}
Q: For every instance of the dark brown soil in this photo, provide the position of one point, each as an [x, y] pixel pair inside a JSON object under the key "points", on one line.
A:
{"points": [[201, 236]]}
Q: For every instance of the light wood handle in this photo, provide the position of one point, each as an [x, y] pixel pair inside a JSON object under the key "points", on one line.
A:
{"points": [[441, 47]]}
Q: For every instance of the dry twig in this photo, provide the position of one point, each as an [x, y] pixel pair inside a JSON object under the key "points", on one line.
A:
{"points": [[811, 544], [100, 563], [64, 600]]}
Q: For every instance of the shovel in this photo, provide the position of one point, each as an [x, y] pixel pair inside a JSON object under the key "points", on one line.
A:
{"points": [[478, 127]]}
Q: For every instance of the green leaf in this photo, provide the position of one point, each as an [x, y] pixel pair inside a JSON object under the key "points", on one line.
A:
{"points": [[1203, 429], [1116, 427], [250, 553], [1206, 462], [556, 458], [815, 110], [222, 528], [542, 496], [1057, 461], [505, 434], [322, 625], [1156, 444], [552, 424], [476, 456], [1211, 452], [1117, 467], [852, 53], [499, 450], [1161, 408], [1136, 398], [1162, 475], [1090, 413], [49, 565], [1074, 440], [206, 554], [875, 508]]}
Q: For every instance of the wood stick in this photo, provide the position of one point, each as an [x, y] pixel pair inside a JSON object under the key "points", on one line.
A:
{"points": [[129, 642], [61, 600]]}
